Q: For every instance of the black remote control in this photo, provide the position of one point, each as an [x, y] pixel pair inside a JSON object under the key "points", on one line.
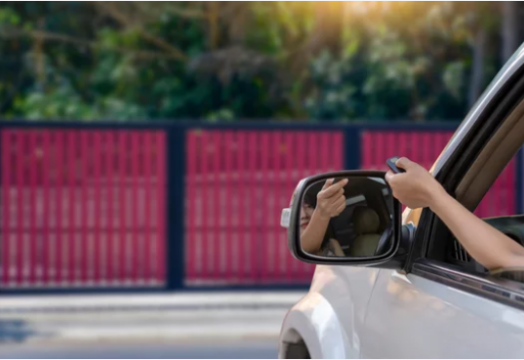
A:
{"points": [[392, 163]]}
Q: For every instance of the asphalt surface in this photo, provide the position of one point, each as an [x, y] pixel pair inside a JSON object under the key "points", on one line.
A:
{"points": [[235, 325], [238, 349]]}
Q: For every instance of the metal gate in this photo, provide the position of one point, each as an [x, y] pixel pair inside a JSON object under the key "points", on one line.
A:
{"points": [[178, 206], [82, 208]]}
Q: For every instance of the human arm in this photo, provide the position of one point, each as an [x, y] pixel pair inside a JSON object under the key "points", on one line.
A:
{"points": [[330, 203], [490, 247], [313, 235]]}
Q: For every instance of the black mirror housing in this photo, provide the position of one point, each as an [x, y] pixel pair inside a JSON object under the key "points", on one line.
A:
{"points": [[392, 256]]}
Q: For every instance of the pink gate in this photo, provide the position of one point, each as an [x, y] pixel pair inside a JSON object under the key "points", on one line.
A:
{"points": [[237, 183], [82, 208], [87, 208], [424, 147]]}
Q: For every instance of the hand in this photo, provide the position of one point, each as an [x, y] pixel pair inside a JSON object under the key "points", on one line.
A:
{"points": [[416, 188], [331, 200]]}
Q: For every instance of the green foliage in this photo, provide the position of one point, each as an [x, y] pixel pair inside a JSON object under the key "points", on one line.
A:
{"points": [[240, 61]]}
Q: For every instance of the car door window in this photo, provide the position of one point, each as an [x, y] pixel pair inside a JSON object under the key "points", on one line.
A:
{"points": [[501, 208], [448, 261]]}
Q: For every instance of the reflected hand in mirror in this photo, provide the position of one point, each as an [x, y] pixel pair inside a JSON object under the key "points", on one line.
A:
{"points": [[346, 217], [316, 212]]}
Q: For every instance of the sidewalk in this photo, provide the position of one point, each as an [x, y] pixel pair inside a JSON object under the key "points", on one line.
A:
{"points": [[130, 317], [140, 301]]}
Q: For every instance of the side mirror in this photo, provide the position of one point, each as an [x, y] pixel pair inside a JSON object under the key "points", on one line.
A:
{"points": [[347, 217]]}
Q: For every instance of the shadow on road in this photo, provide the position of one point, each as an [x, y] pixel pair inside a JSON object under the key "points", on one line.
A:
{"points": [[16, 331]]}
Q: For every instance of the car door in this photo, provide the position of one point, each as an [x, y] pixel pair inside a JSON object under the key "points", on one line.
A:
{"points": [[414, 316], [434, 309]]}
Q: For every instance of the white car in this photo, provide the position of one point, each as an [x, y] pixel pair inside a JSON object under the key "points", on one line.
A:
{"points": [[392, 286]]}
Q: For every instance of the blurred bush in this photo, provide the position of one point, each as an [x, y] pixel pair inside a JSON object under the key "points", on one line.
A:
{"points": [[241, 61]]}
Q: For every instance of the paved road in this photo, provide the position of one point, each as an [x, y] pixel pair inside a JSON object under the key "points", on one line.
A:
{"points": [[185, 325], [252, 349]]}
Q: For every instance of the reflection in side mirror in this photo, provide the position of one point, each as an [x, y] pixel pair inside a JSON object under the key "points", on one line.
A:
{"points": [[346, 217]]}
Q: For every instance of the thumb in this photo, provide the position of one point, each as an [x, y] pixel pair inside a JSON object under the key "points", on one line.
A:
{"points": [[405, 163]]}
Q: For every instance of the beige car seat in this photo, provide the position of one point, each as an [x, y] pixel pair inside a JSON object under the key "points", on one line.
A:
{"points": [[366, 223]]}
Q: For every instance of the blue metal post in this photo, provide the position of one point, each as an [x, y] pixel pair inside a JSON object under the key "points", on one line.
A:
{"points": [[352, 147], [176, 150]]}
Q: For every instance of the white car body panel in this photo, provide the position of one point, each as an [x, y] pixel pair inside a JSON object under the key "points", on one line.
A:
{"points": [[353, 312], [327, 332], [412, 317]]}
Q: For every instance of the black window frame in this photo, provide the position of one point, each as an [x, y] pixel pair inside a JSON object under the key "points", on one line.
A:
{"points": [[503, 291]]}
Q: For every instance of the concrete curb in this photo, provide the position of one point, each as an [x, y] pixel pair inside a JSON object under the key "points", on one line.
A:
{"points": [[189, 334], [148, 302]]}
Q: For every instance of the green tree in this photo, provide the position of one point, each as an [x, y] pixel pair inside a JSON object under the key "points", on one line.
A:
{"points": [[242, 61]]}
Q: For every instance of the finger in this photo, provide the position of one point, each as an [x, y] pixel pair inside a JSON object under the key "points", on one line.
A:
{"points": [[328, 183], [333, 189], [405, 163], [341, 208], [333, 202], [331, 197], [338, 202], [389, 176], [336, 195]]}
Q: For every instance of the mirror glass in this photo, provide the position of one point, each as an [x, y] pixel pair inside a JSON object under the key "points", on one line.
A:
{"points": [[347, 217]]}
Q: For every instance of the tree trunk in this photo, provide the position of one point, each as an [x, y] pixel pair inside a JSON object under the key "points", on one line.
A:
{"points": [[38, 52], [213, 28], [477, 69], [510, 29], [327, 33], [238, 22]]}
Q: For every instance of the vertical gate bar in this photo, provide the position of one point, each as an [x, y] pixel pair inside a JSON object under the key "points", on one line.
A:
{"points": [[59, 209], [19, 245], [32, 185], [71, 206], [6, 207], [148, 183], [253, 204], [265, 199], [122, 195], [46, 153], [289, 146], [175, 218], [240, 257], [96, 256], [191, 214], [228, 206], [134, 249], [84, 188], [112, 196], [214, 198]]}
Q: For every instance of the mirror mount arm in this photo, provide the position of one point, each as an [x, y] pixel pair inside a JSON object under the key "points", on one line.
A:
{"points": [[407, 236], [399, 261]]}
